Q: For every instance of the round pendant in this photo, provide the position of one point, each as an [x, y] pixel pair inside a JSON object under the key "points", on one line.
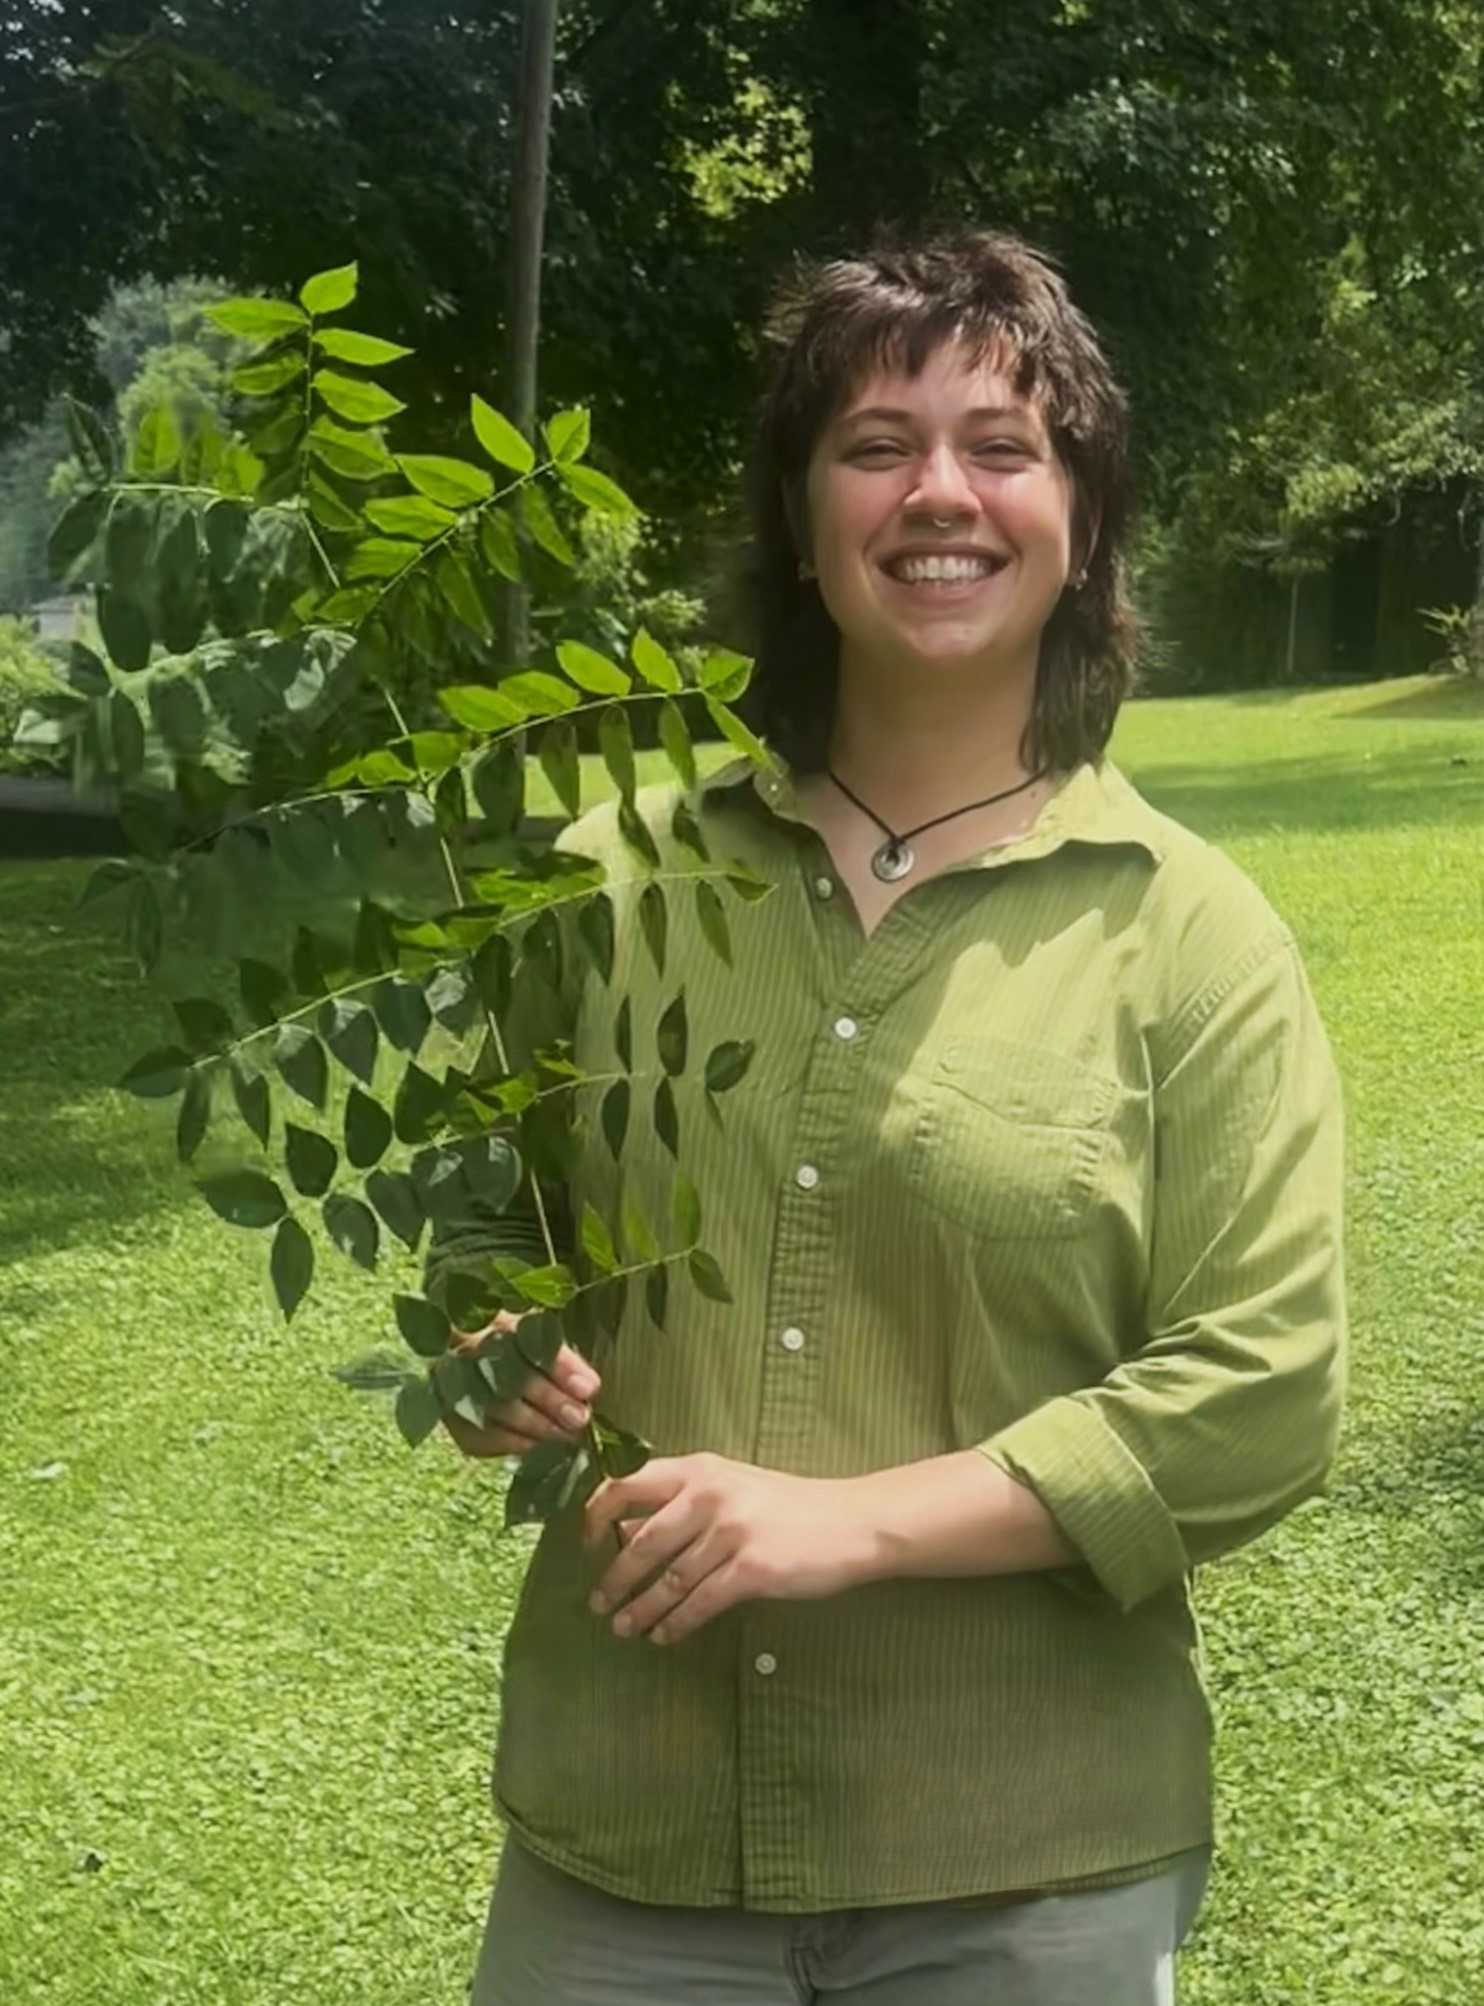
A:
{"points": [[892, 861]]}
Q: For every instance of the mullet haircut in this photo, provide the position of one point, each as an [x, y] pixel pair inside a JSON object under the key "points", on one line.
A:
{"points": [[837, 323]]}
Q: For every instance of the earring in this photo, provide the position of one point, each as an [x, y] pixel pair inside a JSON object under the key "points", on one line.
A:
{"points": [[806, 570], [1080, 580]]}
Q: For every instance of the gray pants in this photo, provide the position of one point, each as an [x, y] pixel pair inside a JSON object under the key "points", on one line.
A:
{"points": [[557, 1940]]}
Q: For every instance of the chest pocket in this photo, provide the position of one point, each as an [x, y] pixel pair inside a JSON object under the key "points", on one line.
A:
{"points": [[1009, 1139]]}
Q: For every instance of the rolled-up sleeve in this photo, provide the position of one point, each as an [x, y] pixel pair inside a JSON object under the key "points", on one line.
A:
{"points": [[1227, 1414]]}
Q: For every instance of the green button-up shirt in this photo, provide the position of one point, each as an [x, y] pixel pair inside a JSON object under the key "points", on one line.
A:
{"points": [[1050, 1165]]}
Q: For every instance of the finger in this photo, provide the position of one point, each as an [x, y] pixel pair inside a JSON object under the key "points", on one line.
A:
{"points": [[571, 1371], [487, 1442], [681, 1578], [569, 1415], [656, 1544], [526, 1418], [637, 1496], [715, 1592]]}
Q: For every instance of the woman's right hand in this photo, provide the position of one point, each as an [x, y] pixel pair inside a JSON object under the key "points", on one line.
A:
{"points": [[552, 1405]]}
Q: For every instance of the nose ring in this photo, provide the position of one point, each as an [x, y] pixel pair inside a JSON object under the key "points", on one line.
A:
{"points": [[942, 522]]}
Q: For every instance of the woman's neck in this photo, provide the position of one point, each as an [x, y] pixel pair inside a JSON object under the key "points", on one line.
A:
{"points": [[913, 753]]}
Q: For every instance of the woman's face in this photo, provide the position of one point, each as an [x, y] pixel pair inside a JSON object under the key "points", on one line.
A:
{"points": [[940, 518]]}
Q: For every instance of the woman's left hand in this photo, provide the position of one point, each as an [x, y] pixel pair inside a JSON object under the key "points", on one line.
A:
{"points": [[717, 1532]]}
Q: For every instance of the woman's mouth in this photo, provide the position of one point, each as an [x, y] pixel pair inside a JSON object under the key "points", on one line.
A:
{"points": [[940, 571]]}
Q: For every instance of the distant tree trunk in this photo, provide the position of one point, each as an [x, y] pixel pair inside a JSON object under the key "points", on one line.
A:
{"points": [[865, 67], [527, 226], [1476, 623]]}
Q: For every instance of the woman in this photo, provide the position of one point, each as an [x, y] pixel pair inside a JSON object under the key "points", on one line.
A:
{"points": [[1031, 1213]]}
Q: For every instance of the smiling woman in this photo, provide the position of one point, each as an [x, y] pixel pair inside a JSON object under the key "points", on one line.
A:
{"points": [[889, 1687]]}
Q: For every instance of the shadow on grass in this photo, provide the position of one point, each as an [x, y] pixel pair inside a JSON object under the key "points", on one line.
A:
{"points": [[76, 1164], [1422, 788]]}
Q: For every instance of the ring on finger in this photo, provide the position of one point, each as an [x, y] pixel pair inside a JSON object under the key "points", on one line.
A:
{"points": [[672, 1581]]}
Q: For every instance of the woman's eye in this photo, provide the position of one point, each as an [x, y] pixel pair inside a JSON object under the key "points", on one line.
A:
{"points": [[878, 449], [1002, 449]]}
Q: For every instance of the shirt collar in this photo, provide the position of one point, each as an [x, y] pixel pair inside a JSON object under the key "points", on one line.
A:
{"points": [[1095, 803]]}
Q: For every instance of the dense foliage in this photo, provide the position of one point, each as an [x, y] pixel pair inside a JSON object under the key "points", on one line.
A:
{"points": [[389, 1051]]}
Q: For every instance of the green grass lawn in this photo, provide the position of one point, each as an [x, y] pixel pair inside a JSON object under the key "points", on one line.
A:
{"points": [[248, 1644]]}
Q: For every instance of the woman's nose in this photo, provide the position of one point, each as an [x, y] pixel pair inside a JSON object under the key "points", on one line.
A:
{"points": [[942, 488]]}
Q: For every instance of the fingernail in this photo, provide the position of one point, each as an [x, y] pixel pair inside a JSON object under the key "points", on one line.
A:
{"points": [[622, 1625], [573, 1417], [597, 1603], [584, 1384]]}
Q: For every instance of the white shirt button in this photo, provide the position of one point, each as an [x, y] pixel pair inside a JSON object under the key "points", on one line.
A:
{"points": [[765, 1663], [806, 1177], [792, 1339], [846, 1028], [824, 887]]}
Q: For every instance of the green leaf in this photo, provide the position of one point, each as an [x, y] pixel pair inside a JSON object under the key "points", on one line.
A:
{"points": [[597, 1241], [749, 885], [124, 625], [707, 1276], [654, 664], [368, 1130], [499, 438], [158, 1074], [366, 351], [381, 557], [74, 534], [300, 1058], [498, 781], [357, 456], [620, 1451], [616, 743], [352, 1227], [562, 766], [552, 1286], [350, 1030], [637, 1232], [410, 515], [538, 1339], [330, 510], [546, 1480], [737, 733], [725, 674], [205, 1026], [654, 922], [492, 1167], [461, 593], [613, 1117], [481, 709], [545, 530], [378, 1371], [568, 434], [595, 931], [592, 671], [623, 1034], [328, 292], [712, 917], [156, 449], [666, 1118], [402, 1010], [727, 1064], [127, 727], [675, 738], [657, 1295], [453, 483], [91, 440], [244, 1198], [419, 1106], [264, 992], [595, 491], [394, 1195], [497, 540], [351, 397], [311, 1159], [637, 835], [256, 320], [672, 1036], [685, 1209], [194, 1115], [291, 1265], [418, 1410], [262, 379], [423, 1325], [250, 1091], [539, 694]]}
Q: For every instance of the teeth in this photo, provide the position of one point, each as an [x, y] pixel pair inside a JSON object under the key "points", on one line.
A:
{"points": [[920, 570]]}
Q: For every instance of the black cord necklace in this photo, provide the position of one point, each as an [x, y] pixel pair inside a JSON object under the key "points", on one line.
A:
{"points": [[895, 857]]}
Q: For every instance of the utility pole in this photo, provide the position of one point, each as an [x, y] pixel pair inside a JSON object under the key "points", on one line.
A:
{"points": [[527, 226]]}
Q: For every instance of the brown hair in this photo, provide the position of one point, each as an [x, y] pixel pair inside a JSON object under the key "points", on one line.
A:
{"points": [[893, 308]]}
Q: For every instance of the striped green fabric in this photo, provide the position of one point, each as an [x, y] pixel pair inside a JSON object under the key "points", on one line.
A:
{"points": [[1050, 1164]]}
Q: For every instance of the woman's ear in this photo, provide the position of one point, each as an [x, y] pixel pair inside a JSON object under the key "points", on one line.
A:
{"points": [[796, 513]]}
